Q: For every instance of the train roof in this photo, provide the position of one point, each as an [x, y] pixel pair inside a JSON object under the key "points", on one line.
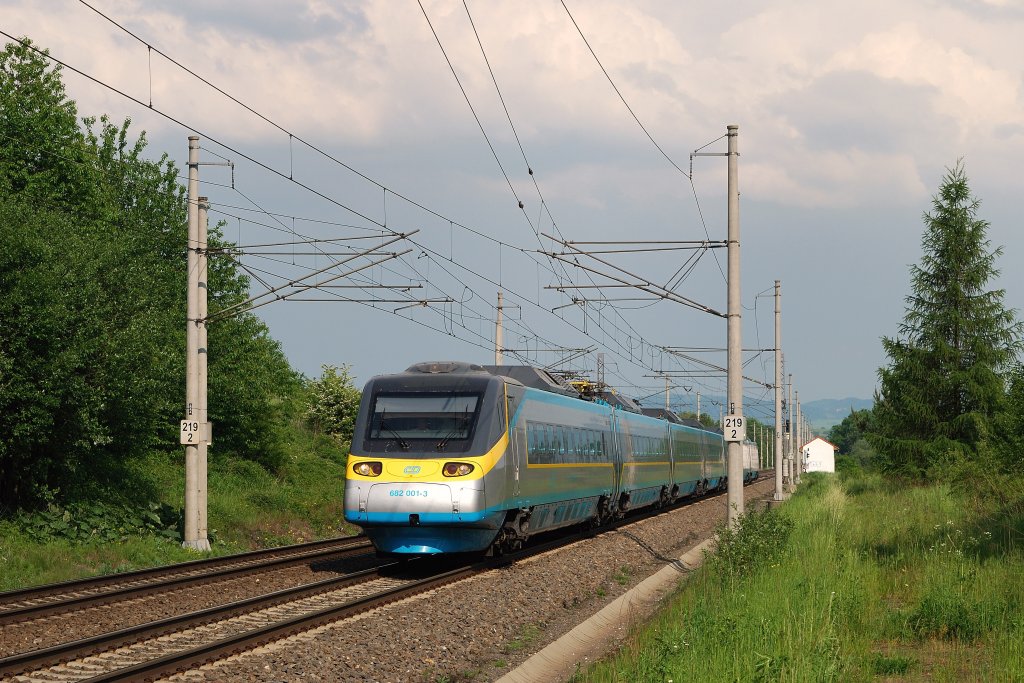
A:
{"points": [[533, 377], [617, 400], [662, 413], [441, 367], [536, 378]]}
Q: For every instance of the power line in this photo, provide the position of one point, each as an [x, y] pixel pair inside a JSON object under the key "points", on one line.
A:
{"points": [[292, 136], [178, 122], [619, 93], [629, 351]]}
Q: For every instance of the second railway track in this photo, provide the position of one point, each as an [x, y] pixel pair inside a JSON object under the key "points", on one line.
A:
{"points": [[38, 602]]}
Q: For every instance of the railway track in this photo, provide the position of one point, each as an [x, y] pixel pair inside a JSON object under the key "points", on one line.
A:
{"points": [[162, 648], [42, 601], [168, 645]]}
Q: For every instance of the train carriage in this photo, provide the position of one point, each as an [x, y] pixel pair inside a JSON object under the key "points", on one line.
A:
{"points": [[568, 472], [688, 447], [646, 461]]}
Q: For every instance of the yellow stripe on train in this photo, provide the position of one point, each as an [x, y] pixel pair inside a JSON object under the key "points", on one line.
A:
{"points": [[549, 465], [428, 470]]}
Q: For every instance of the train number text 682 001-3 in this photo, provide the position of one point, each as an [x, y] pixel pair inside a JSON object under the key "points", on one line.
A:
{"points": [[407, 493]]}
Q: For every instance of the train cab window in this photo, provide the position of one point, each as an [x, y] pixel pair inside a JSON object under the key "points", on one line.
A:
{"points": [[443, 417]]}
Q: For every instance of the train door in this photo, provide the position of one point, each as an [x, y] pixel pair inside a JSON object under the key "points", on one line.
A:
{"points": [[516, 444], [702, 444], [615, 452]]}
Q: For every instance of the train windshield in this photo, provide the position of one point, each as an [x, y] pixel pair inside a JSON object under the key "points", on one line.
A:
{"points": [[441, 417]]}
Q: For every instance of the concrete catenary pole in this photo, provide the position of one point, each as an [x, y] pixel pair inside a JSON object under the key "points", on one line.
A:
{"points": [[499, 334], [789, 429], [202, 357], [668, 405], [798, 450], [734, 437], [778, 391], [191, 429], [698, 406]]}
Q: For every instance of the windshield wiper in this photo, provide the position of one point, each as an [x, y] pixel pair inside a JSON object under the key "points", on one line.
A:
{"points": [[401, 442], [443, 443]]}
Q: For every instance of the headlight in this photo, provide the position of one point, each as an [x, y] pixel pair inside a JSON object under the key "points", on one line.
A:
{"points": [[457, 469], [368, 469]]}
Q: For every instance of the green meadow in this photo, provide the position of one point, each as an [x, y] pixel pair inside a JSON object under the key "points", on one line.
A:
{"points": [[853, 579]]}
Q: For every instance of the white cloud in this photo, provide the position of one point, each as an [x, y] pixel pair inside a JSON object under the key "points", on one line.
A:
{"points": [[840, 179]]}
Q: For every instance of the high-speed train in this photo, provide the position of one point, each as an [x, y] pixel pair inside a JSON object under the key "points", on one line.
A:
{"points": [[451, 457]]}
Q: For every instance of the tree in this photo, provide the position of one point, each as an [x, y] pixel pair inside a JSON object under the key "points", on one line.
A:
{"points": [[851, 430], [92, 305], [948, 366], [41, 145], [333, 403]]}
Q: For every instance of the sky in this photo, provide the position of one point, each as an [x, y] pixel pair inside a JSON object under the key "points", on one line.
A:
{"points": [[849, 115]]}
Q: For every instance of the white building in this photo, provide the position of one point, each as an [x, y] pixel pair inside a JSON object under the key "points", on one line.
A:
{"points": [[820, 455]]}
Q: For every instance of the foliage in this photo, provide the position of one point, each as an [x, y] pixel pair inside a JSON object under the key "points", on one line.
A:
{"points": [[1008, 428], [759, 539], [82, 522], [885, 665], [92, 309], [851, 430], [705, 419], [333, 402], [947, 368], [40, 141]]}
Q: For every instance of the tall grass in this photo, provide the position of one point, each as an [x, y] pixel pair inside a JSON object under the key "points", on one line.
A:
{"points": [[875, 580]]}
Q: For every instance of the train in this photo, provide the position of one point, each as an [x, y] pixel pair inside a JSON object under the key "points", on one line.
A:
{"points": [[454, 457]]}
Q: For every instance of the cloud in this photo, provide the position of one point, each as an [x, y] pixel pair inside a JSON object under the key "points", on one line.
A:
{"points": [[839, 179]]}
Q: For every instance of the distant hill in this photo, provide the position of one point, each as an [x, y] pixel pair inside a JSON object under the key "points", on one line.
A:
{"points": [[826, 412], [823, 414]]}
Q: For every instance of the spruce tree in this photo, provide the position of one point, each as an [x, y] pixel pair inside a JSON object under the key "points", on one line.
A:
{"points": [[949, 364]]}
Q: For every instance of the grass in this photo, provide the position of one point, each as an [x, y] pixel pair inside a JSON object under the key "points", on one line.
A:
{"points": [[853, 580], [621, 577], [527, 635], [249, 508]]}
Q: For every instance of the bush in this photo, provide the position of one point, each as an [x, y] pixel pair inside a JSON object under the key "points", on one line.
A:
{"points": [[946, 614], [80, 523], [759, 538]]}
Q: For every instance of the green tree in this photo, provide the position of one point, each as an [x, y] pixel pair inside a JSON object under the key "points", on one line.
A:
{"points": [[851, 430], [92, 309], [41, 145], [948, 366], [1008, 446], [333, 403]]}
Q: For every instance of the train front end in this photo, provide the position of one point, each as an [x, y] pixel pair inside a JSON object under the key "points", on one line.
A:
{"points": [[426, 472]]}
